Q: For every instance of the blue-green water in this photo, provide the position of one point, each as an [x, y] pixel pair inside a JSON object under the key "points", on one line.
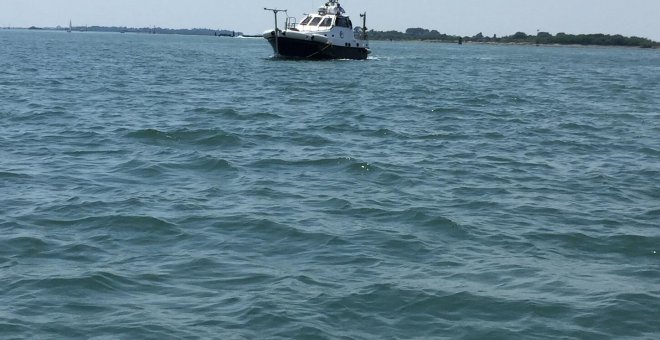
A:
{"points": [[156, 187]]}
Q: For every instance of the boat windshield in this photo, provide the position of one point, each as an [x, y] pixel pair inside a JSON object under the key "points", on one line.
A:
{"points": [[326, 22], [315, 21], [305, 21]]}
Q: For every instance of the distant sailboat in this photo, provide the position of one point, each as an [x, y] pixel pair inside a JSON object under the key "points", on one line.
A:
{"points": [[70, 27]]}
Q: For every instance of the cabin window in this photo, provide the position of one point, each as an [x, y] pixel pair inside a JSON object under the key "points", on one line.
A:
{"points": [[306, 20], [315, 21], [326, 22], [342, 22]]}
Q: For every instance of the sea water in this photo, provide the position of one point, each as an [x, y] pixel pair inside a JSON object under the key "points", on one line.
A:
{"points": [[185, 187]]}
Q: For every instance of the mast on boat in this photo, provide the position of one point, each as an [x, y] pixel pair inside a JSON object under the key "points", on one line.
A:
{"points": [[275, 11], [364, 27]]}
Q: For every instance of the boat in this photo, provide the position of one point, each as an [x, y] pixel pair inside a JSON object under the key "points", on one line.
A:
{"points": [[325, 34], [70, 28]]}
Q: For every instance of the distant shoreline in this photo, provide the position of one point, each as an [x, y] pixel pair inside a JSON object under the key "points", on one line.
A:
{"points": [[411, 34], [519, 38], [524, 44], [141, 30]]}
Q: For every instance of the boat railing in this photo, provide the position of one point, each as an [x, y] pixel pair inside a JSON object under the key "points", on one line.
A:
{"points": [[291, 23]]}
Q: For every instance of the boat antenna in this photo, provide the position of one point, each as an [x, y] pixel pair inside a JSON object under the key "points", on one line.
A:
{"points": [[275, 11], [364, 26]]}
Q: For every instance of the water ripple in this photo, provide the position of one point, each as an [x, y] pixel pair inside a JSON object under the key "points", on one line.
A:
{"points": [[200, 189]]}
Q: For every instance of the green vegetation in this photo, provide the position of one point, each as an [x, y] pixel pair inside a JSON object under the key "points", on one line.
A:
{"points": [[159, 30], [544, 38], [150, 30]]}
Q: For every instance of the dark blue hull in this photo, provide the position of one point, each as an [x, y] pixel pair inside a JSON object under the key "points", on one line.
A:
{"points": [[309, 49]]}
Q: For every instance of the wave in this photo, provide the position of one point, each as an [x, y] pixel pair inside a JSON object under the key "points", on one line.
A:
{"points": [[598, 246], [346, 163], [205, 137], [232, 114], [136, 225], [25, 245], [196, 162], [396, 309], [411, 221], [286, 235], [613, 309], [90, 283], [648, 151], [142, 169], [13, 175]]}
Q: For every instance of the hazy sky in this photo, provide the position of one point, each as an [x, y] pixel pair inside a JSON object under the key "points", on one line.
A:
{"points": [[464, 17]]}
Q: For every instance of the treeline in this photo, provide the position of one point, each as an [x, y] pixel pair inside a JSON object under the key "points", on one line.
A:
{"points": [[155, 30], [519, 37]]}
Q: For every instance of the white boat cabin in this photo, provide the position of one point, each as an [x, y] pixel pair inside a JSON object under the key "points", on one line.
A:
{"points": [[330, 22], [326, 19]]}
